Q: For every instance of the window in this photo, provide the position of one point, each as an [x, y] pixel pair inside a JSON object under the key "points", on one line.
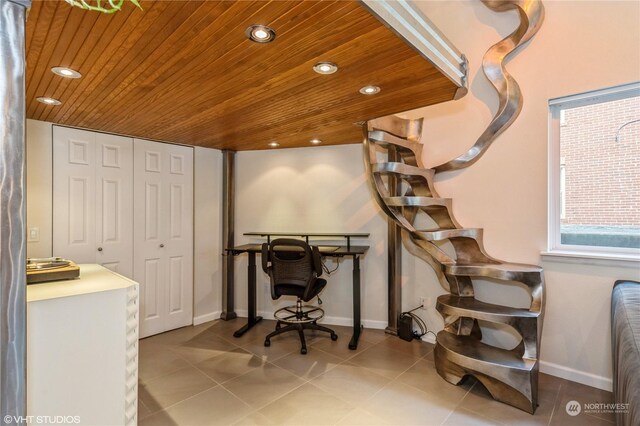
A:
{"points": [[594, 170]]}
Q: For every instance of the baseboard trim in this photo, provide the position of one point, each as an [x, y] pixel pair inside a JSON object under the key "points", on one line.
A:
{"points": [[348, 322], [201, 319], [583, 377]]}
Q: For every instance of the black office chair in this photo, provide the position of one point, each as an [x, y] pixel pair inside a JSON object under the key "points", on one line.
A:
{"points": [[294, 268]]}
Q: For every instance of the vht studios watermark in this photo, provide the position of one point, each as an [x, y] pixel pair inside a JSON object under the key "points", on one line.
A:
{"points": [[574, 408], [42, 420]]}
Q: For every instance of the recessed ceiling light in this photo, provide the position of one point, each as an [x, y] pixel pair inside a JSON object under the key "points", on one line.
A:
{"points": [[66, 72], [315, 141], [273, 144], [370, 90], [325, 68], [260, 34], [48, 101]]}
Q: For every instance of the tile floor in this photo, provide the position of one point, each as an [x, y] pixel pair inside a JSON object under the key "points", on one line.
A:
{"points": [[204, 376]]}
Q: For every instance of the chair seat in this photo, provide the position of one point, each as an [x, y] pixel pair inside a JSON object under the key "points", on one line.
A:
{"points": [[283, 289]]}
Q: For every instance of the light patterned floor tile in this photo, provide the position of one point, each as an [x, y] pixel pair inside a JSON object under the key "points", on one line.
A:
{"points": [[360, 417], [415, 348], [155, 360], [143, 411], [561, 418], [221, 327], [176, 336], [257, 333], [202, 347], [423, 376], [401, 404], [278, 348], [263, 385], [373, 335], [212, 407], [479, 400], [351, 383], [386, 381], [254, 419], [384, 361], [172, 388], [230, 365], [462, 417], [310, 365], [340, 347], [306, 405]]}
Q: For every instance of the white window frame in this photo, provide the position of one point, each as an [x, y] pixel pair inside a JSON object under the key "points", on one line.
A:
{"points": [[562, 190], [556, 105]]}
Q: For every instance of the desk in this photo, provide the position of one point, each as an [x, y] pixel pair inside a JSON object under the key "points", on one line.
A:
{"points": [[325, 250]]}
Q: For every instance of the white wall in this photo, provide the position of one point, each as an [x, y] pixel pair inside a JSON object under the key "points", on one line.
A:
{"points": [[581, 46], [207, 257], [207, 214], [39, 186], [320, 189]]}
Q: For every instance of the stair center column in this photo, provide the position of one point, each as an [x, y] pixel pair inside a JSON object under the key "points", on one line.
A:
{"points": [[394, 253]]}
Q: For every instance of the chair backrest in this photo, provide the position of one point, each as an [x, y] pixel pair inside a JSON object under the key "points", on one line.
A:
{"points": [[291, 262]]}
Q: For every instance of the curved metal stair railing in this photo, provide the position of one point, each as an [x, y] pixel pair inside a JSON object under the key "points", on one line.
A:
{"points": [[511, 376]]}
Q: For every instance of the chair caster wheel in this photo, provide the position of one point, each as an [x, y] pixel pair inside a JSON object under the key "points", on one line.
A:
{"points": [[334, 337], [303, 351], [267, 343]]}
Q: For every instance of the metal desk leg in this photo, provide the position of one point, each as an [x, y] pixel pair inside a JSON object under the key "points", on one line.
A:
{"points": [[357, 326], [251, 291]]}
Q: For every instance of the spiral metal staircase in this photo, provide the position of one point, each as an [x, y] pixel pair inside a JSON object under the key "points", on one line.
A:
{"points": [[510, 375]]}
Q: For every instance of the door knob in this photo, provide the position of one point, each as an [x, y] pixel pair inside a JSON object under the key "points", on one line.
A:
{"points": [[99, 248], [161, 245]]}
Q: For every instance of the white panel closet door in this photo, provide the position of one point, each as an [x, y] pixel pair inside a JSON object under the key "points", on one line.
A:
{"points": [[74, 222], [93, 198], [114, 203], [163, 226]]}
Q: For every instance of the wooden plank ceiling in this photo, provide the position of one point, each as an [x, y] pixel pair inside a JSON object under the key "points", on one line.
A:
{"points": [[184, 72]]}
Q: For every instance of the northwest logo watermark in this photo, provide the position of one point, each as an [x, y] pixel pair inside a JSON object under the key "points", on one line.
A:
{"points": [[574, 408]]}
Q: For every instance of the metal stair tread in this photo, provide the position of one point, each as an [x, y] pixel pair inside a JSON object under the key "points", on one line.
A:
{"points": [[470, 305], [415, 201], [402, 169], [478, 352], [506, 267], [444, 234], [382, 138]]}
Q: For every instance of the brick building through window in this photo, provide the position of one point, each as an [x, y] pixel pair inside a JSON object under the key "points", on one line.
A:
{"points": [[599, 174]]}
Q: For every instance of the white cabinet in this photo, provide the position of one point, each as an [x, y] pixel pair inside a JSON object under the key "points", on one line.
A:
{"points": [[163, 236], [93, 198], [128, 205], [82, 349]]}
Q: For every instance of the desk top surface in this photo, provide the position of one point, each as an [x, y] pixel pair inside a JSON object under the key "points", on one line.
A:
{"points": [[325, 250], [307, 234]]}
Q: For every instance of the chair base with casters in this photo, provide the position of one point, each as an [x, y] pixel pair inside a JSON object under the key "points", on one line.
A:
{"points": [[304, 317]]}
